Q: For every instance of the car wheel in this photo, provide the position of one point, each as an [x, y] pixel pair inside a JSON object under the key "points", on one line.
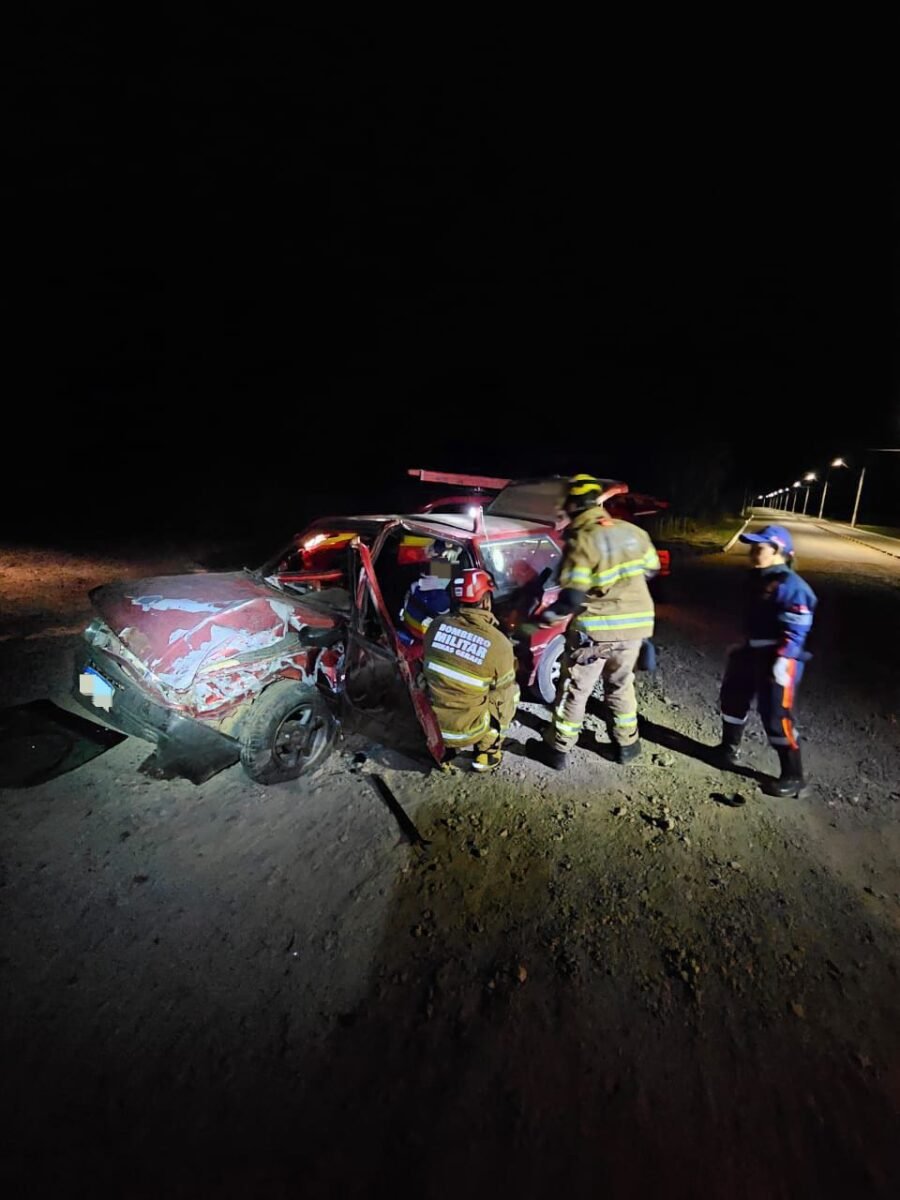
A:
{"points": [[547, 675], [288, 732]]}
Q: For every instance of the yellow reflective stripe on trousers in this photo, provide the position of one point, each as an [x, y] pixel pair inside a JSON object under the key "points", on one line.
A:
{"points": [[467, 735], [625, 719], [572, 728]]}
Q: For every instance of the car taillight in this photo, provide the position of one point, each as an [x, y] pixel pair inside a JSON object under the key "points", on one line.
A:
{"points": [[664, 562]]}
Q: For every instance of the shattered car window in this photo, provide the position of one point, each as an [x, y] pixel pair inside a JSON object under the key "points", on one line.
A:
{"points": [[519, 563], [319, 559]]}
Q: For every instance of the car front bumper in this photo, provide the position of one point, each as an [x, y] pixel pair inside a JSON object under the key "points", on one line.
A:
{"points": [[184, 746]]}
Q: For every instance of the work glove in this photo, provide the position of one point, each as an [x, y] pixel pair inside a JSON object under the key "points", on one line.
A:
{"points": [[781, 672]]}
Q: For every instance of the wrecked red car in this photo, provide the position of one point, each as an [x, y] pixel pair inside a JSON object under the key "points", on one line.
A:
{"points": [[265, 666]]}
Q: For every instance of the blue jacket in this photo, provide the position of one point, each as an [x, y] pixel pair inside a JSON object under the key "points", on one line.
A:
{"points": [[422, 605], [780, 607]]}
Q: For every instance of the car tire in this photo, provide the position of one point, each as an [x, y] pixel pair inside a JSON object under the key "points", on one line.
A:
{"points": [[288, 732], [547, 673]]}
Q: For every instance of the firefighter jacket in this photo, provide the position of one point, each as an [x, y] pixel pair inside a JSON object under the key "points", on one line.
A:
{"points": [[608, 562], [471, 674]]}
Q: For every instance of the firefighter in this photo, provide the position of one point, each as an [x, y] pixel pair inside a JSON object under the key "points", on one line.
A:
{"points": [[603, 575], [768, 666], [470, 671]]}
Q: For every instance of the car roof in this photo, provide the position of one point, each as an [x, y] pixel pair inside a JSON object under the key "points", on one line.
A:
{"points": [[443, 524], [494, 527]]}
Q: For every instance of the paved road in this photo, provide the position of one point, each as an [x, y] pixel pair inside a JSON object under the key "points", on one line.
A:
{"points": [[828, 546]]}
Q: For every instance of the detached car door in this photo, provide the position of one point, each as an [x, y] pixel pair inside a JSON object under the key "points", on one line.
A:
{"points": [[380, 692]]}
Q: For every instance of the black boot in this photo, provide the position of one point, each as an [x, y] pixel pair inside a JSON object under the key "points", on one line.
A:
{"points": [[544, 753], [728, 750], [627, 754], [791, 782]]}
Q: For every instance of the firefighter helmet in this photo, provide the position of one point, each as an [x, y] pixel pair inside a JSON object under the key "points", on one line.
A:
{"points": [[472, 586], [584, 489]]}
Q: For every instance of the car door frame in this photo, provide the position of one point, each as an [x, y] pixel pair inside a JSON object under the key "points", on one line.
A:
{"points": [[367, 585]]}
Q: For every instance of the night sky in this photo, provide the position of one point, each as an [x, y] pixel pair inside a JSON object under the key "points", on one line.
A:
{"points": [[262, 270]]}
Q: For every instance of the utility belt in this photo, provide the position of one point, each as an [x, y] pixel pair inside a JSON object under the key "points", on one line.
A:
{"points": [[770, 643]]}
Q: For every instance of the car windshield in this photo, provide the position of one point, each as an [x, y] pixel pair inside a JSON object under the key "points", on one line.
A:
{"points": [[520, 562], [316, 559]]}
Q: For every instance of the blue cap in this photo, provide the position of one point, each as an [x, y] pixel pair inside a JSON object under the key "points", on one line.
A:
{"points": [[775, 535]]}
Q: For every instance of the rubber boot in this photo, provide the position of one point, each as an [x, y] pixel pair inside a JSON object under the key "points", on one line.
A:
{"points": [[791, 782], [488, 760], [627, 754], [548, 755], [728, 750]]}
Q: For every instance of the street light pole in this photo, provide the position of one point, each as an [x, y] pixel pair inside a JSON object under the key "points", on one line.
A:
{"points": [[862, 476], [824, 493], [808, 479], [838, 462]]}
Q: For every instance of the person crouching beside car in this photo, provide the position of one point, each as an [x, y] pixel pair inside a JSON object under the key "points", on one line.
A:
{"points": [[470, 671]]}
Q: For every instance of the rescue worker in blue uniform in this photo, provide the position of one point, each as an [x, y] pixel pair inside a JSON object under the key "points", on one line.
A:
{"points": [[768, 666], [429, 596]]}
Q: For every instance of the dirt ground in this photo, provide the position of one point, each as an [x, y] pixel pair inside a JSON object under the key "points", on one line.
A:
{"points": [[606, 981]]}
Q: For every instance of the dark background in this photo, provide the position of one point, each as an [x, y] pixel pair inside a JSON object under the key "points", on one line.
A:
{"points": [[258, 270]]}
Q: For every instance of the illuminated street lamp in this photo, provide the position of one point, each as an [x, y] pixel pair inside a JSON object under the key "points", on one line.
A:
{"points": [[808, 478], [838, 462], [862, 475], [794, 487]]}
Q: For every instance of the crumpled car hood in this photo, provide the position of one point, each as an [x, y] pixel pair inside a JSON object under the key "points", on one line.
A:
{"points": [[177, 624]]}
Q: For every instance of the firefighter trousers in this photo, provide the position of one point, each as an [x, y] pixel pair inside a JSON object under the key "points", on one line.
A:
{"points": [[483, 729], [583, 666]]}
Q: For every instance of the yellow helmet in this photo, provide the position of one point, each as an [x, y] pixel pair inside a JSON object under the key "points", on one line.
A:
{"points": [[583, 487]]}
